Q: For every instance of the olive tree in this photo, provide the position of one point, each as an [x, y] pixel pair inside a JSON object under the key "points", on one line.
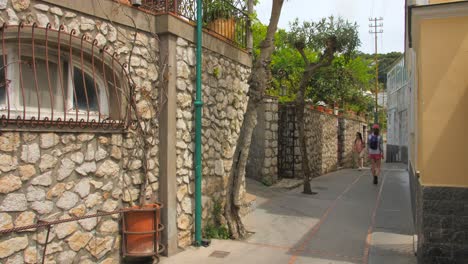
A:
{"points": [[327, 38], [258, 81]]}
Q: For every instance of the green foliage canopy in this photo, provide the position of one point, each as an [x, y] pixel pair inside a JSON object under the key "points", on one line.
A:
{"points": [[343, 82], [318, 36]]}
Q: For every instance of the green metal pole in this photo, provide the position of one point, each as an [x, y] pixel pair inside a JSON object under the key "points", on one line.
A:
{"points": [[198, 131]]}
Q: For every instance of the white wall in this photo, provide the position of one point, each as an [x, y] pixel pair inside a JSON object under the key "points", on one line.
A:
{"points": [[397, 105]]}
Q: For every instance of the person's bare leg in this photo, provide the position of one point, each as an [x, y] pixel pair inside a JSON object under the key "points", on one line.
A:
{"points": [[362, 162], [357, 161], [377, 169], [374, 171]]}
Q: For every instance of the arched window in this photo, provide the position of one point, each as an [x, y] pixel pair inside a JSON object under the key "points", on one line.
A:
{"points": [[64, 82]]}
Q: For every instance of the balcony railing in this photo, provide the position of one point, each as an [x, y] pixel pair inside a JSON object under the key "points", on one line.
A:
{"points": [[227, 19]]}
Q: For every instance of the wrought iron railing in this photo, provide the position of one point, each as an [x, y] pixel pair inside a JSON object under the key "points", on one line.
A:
{"points": [[53, 78], [227, 19]]}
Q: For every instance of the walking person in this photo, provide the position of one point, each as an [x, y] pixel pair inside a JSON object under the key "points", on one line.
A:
{"points": [[375, 148], [358, 149]]}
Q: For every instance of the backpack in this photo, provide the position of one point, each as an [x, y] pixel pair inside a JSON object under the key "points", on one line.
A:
{"points": [[374, 142]]}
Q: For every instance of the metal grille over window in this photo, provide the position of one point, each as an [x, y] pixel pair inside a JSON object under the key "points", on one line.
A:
{"points": [[55, 79]]}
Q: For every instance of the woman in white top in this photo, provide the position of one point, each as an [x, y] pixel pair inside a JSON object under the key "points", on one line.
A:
{"points": [[375, 150]]}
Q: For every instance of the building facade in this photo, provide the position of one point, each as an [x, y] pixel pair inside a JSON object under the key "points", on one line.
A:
{"points": [[397, 113], [436, 60]]}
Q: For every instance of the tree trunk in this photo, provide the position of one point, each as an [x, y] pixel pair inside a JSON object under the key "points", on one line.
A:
{"points": [[303, 147], [241, 154], [300, 109], [258, 81], [309, 71]]}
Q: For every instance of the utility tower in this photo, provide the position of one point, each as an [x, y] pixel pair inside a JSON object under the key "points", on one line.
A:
{"points": [[376, 26]]}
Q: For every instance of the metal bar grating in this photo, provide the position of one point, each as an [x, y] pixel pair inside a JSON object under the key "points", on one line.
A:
{"points": [[219, 254], [53, 78], [286, 141], [226, 19]]}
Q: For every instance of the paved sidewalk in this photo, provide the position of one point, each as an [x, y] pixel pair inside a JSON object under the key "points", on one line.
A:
{"points": [[350, 220]]}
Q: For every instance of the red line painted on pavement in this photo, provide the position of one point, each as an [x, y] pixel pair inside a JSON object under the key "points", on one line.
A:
{"points": [[268, 246], [371, 227], [316, 227], [321, 253]]}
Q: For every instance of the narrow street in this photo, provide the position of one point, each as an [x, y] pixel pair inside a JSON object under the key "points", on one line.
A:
{"points": [[350, 220]]}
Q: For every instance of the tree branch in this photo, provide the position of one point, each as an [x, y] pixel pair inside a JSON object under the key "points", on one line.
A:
{"points": [[303, 55]]}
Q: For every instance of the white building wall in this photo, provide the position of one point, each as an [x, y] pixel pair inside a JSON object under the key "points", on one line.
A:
{"points": [[397, 105]]}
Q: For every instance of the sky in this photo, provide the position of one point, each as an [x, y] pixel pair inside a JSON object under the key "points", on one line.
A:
{"points": [[392, 12]]}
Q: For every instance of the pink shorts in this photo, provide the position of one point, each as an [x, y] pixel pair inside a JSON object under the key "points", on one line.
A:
{"points": [[375, 156]]}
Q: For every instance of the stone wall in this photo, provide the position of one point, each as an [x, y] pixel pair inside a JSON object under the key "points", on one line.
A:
{"points": [[324, 134], [322, 143], [225, 99], [350, 127], [263, 156], [440, 217], [51, 176], [56, 175], [329, 143], [315, 138], [442, 235]]}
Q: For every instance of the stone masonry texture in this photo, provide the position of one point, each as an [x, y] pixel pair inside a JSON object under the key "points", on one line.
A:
{"points": [[263, 157], [225, 99], [328, 138], [60, 174], [56, 175], [442, 225]]}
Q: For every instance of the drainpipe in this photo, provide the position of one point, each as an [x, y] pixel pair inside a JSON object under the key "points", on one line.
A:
{"points": [[198, 131]]}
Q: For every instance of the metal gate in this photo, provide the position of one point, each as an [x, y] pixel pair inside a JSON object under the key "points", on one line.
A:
{"points": [[286, 140], [341, 141]]}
